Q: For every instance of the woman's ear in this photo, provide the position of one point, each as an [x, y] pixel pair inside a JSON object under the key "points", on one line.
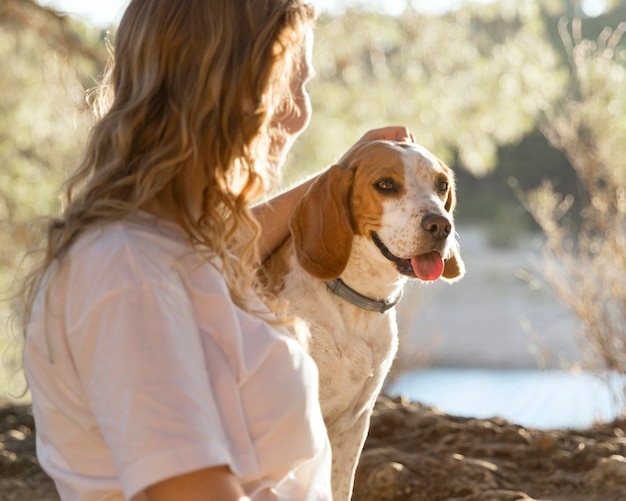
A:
{"points": [[321, 227]]}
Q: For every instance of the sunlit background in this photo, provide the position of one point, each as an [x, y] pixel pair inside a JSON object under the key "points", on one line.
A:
{"points": [[525, 100], [105, 13]]}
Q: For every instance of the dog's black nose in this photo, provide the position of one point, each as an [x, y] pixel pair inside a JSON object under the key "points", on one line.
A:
{"points": [[438, 226]]}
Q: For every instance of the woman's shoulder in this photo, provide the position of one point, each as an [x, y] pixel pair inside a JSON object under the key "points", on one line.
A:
{"points": [[137, 251]]}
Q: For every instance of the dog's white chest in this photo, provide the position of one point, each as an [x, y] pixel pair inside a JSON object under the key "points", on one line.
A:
{"points": [[354, 354]]}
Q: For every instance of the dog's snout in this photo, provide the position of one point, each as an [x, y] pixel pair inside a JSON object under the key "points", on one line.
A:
{"points": [[438, 226]]}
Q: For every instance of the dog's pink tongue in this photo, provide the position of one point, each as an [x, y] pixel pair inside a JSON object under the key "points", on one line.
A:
{"points": [[428, 266]]}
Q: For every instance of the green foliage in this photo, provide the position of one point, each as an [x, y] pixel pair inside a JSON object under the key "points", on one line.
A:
{"points": [[459, 81], [43, 121], [42, 124]]}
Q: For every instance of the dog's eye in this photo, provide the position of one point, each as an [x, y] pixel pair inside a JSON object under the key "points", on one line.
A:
{"points": [[443, 186], [386, 186]]}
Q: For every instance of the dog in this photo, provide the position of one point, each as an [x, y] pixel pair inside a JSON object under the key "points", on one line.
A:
{"points": [[379, 217]]}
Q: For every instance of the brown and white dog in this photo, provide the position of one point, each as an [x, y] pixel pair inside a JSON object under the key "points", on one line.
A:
{"points": [[379, 217]]}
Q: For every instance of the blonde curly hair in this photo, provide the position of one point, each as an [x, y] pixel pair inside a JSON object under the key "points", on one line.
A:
{"points": [[189, 94]]}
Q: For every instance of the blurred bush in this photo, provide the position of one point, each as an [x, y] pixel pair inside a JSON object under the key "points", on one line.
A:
{"points": [[48, 60], [458, 80], [585, 255]]}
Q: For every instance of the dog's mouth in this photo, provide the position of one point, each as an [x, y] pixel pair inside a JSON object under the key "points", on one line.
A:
{"points": [[427, 267]]}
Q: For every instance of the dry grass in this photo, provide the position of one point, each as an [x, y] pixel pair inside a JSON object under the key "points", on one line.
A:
{"points": [[585, 254]]}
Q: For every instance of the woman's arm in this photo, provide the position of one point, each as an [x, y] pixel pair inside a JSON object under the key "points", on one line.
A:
{"points": [[210, 484], [273, 215]]}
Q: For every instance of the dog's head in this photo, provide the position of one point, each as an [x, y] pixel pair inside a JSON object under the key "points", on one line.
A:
{"points": [[398, 196]]}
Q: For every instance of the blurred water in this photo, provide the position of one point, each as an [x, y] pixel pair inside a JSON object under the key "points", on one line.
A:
{"points": [[532, 398]]}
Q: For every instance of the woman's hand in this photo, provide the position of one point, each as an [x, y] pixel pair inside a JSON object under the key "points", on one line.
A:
{"points": [[393, 133]]}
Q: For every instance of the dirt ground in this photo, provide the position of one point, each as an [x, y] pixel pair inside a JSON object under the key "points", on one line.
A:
{"points": [[21, 478], [415, 453]]}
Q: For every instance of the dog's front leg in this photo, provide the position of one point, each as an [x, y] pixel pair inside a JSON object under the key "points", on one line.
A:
{"points": [[346, 453]]}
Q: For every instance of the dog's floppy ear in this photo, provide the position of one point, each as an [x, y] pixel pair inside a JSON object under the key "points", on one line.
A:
{"points": [[454, 267], [321, 227]]}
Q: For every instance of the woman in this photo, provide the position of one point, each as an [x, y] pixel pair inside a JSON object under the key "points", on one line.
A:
{"points": [[155, 372]]}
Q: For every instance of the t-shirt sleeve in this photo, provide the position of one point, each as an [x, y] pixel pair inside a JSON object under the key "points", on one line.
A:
{"points": [[139, 357]]}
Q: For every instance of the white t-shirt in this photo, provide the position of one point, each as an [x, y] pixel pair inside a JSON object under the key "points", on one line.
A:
{"points": [[143, 369]]}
